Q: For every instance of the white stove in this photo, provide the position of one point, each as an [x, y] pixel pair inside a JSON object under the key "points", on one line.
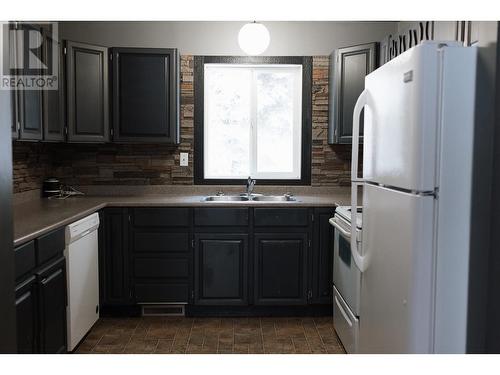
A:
{"points": [[345, 212], [346, 278]]}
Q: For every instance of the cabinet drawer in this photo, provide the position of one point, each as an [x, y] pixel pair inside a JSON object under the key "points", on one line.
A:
{"points": [[221, 216], [49, 245], [161, 268], [161, 217], [279, 217], [150, 242], [157, 293], [24, 258]]}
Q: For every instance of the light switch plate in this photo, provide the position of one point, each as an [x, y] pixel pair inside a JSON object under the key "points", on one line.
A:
{"points": [[184, 159]]}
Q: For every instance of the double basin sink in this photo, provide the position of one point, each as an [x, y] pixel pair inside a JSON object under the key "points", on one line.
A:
{"points": [[246, 198]]}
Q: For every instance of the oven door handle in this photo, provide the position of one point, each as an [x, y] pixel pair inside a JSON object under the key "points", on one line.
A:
{"points": [[342, 231]]}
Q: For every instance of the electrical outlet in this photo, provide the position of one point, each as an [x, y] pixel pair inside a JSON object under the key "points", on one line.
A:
{"points": [[184, 159]]}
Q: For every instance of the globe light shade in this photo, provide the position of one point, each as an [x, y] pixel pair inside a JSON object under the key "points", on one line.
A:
{"points": [[253, 38]]}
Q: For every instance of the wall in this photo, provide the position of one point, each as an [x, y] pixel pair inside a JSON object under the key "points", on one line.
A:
{"points": [[220, 38], [113, 164]]}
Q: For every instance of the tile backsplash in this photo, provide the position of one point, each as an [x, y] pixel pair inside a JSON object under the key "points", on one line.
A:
{"points": [[118, 164]]}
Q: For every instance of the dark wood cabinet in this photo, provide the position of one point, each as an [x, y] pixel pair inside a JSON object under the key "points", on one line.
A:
{"points": [[9, 113], [53, 100], [114, 276], [87, 92], [280, 268], [37, 115], [145, 95], [8, 98], [41, 296], [322, 256], [29, 101], [27, 317], [52, 303], [160, 254], [30, 115], [221, 269], [214, 257], [348, 68]]}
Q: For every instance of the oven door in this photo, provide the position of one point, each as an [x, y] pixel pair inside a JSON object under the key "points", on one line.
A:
{"points": [[346, 275]]}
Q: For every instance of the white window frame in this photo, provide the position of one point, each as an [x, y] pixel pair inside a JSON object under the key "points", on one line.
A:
{"points": [[296, 173]]}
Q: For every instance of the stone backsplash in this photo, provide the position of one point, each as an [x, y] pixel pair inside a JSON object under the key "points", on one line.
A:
{"points": [[118, 164]]}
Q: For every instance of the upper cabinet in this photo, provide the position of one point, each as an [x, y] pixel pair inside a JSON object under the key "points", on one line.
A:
{"points": [[29, 101], [144, 99], [409, 34], [53, 100], [37, 115], [348, 68], [145, 95], [87, 93]]}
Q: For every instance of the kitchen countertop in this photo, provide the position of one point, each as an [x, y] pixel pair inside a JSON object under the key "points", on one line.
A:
{"points": [[35, 217]]}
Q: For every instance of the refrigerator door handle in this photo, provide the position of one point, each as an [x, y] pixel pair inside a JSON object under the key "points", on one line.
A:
{"points": [[360, 103], [355, 180]]}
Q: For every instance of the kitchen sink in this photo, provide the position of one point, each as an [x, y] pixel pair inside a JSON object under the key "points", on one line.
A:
{"points": [[225, 198], [254, 198], [274, 198]]}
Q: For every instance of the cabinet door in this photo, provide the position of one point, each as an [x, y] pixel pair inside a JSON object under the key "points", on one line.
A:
{"points": [[145, 95], [8, 98], [30, 114], [351, 66], [280, 269], [26, 317], [471, 32], [87, 92], [446, 30], [383, 50], [114, 259], [221, 269], [52, 307], [322, 256], [53, 100]]}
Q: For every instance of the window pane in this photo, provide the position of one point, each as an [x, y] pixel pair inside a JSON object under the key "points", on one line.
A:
{"points": [[276, 116], [227, 122]]}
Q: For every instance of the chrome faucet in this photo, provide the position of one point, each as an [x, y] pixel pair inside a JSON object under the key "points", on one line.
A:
{"points": [[250, 185]]}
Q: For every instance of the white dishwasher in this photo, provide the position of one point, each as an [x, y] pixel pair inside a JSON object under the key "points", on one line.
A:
{"points": [[82, 277]]}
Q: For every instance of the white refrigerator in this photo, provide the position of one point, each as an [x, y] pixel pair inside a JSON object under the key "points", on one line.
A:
{"points": [[416, 181]]}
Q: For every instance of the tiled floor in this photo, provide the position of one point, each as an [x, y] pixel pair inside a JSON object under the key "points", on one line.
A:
{"points": [[212, 335]]}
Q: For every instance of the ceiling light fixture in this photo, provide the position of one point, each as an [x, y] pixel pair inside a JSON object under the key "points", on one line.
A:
{"points": [[253, 38]]}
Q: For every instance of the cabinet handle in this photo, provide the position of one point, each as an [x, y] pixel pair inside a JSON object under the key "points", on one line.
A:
{"points": [[45, 280]]}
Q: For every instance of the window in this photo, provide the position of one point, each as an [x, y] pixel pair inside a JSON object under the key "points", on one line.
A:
{"points": [[252, 121]]}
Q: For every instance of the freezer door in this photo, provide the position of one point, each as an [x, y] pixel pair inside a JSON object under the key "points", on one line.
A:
{"points": [[401, 120], [396, 287]]}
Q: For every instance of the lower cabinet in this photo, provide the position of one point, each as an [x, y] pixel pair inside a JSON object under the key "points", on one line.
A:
{"points": [[52, 307], [41, 296], [220, 269], [41, 310], [160, 254], [281, 263], [216, 256], [26, 315], [322, 257], [114, 280]]}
